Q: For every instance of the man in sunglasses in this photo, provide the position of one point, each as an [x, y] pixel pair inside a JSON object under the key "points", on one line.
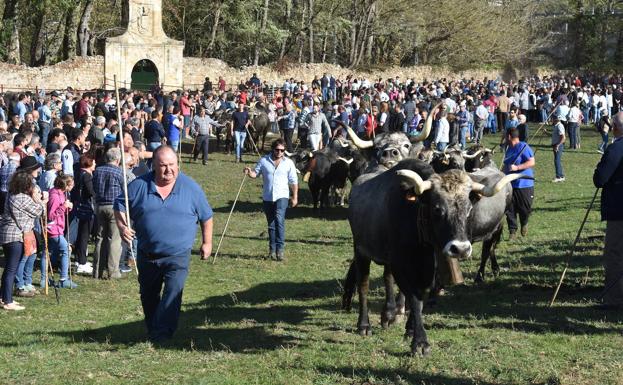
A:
{"points": [[279, 179]]}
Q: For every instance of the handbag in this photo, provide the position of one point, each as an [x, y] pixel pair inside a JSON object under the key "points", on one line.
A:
{"points": [[28, 239], [30, 243]]}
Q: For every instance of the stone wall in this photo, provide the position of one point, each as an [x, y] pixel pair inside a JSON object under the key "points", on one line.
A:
{"points": [[79, 73], [88, 73]]}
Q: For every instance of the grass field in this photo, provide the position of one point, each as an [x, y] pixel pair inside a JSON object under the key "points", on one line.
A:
{"points": [[247, 320]]}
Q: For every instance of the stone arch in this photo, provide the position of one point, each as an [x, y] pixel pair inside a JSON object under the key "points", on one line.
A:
{"points": [[144, 75]]}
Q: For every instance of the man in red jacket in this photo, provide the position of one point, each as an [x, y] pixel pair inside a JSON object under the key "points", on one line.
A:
{"points": [[82, 110]]}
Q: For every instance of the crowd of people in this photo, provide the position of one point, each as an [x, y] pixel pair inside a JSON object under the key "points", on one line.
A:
{"points": [[60, 152]]}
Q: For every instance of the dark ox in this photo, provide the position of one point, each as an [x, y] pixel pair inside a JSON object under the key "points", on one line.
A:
{"points": [[402, 219], [477, 157], [224, 133], [486, 221], [260, 124], [389, 148], [324, 170]]}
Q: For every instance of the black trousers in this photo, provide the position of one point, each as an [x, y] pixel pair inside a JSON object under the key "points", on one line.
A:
{"points": [[522, 206], [82, 241], [287, 136], [201, 144]]}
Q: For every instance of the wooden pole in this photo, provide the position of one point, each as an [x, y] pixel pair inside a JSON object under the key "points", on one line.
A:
{"points": [[228, 218], [577, 238], [124, 171]]}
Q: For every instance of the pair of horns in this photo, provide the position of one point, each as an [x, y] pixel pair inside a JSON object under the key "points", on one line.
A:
{"points": [[411, 179]]}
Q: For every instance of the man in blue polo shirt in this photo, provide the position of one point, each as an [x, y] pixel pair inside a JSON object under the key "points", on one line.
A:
{"points": [[279, 177], [165, 207], [519, 157]]}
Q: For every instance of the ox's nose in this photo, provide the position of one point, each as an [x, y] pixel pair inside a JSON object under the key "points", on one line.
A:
{"points": [[390, 153], [458, 249]]}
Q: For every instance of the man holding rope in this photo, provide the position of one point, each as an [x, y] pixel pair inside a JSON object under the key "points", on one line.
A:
{"points": [[609, 176], [165, 207]]}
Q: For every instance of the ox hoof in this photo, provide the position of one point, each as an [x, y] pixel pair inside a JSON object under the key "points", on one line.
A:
{"points": [[365, 331], [401, 310], [347, 304], [408, 334], [479, 278], [495, 272], [420, 349]]}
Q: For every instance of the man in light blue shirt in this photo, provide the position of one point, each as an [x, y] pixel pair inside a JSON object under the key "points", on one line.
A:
{"points": [[279, 178]]}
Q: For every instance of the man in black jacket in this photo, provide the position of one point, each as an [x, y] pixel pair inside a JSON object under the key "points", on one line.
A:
{"points": [[609, 176]]}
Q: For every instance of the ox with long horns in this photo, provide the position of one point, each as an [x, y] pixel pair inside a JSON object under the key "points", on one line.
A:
{"points": [[401, 219]]}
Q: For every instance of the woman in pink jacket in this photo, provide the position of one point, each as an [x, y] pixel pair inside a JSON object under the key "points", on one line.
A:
{"points": [[58, 206]]}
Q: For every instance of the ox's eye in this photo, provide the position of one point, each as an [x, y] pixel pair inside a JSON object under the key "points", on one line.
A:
{"points": [[439, 211], [407, 145]]}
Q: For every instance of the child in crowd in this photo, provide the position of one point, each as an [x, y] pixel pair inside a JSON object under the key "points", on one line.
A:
{"points": [[58, 206]]}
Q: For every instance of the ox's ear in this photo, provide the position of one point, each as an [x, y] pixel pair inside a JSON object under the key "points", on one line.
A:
{"points": [[411, 196]]}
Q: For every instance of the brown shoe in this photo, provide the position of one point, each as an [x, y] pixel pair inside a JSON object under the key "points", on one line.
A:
{"points": [[524, 230], [512, 236]]}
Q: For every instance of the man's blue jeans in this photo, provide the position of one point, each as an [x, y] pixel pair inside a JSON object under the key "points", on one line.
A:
{"points": [[161, 306], [276, 218], [462, 134], [59, 253], [558, 161], [604, 141], [596, 114], [573, 134], [492, 123], [585, 113], [44, 131], [24, 271], [325, 94], [240, 136]]}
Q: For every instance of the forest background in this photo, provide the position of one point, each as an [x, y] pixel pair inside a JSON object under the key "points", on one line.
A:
{"points": [[569, 34]]}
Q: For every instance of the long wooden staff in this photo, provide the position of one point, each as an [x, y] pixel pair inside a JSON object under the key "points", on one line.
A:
{"points": [[570, 255], [124, 170], [228, 218]]}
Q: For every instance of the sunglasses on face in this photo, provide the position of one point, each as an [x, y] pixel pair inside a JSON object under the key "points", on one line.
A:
{"points": [[280, 149]]}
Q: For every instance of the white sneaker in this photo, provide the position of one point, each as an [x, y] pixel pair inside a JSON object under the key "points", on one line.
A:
{"points": [[85, 269]]}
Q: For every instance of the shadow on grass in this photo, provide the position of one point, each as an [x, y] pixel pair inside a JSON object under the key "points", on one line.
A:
{"points": [[247, 207], [320, 242], [394, 375], [240, 322]]}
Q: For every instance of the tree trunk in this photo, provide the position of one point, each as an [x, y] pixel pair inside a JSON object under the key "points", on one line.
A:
{"points": [[311, 31], [69, 38], [84, 34], [301, 37], [9, 20], [36, 48], [261, 38], [284, 44], [324, 47], [217, 19], [353, 33]]}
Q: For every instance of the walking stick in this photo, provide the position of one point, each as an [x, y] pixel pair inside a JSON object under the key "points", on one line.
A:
{"points": [[577, 238], [228, 218], [192, 153], [48, 266], [252, 141], [125, 180], [67, 240], [44, 233]]}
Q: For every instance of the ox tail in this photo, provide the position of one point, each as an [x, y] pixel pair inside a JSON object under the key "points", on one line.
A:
{"points": [[350, 284]]}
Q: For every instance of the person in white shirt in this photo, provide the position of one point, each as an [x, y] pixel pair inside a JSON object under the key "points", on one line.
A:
{"points": [[443, 132], [279, 180], [574, 117]]}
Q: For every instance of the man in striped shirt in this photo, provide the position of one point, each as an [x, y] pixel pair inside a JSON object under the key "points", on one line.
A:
{"points": [[201, 127]]}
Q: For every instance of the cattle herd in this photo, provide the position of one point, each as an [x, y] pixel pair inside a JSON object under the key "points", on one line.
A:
{"points": [[412, 210]]}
